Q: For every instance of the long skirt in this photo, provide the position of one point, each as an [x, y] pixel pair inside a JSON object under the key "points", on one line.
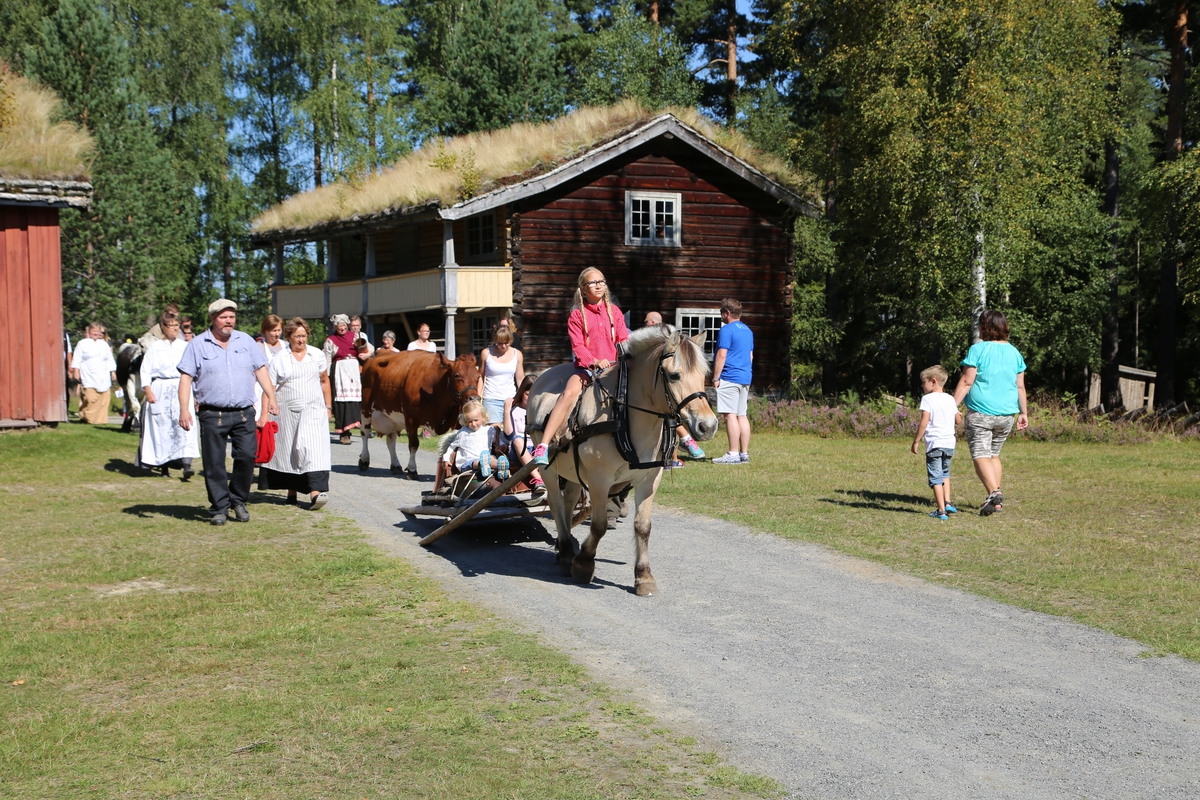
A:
{"points": [[163, 443], [299, 482], [93, 405], [347, 398]]}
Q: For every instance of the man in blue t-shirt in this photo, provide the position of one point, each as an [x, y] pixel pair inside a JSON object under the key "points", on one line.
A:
{"points": [[731, 379]]}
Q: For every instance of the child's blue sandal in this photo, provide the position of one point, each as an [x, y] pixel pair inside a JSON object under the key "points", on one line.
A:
{"points": [[951, 509], [939, 515], [502, 468]]}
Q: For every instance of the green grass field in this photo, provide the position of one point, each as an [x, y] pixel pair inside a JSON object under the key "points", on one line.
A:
{"points": [[1106, 534], [144, 653]]}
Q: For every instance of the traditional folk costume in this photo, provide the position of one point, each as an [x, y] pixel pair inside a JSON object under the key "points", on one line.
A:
{"points": [[94, 360], [347, 383], [270, 352], [163, 443], [302, 461]]}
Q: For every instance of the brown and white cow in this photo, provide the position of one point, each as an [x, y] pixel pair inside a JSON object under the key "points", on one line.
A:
{"points": [[402, 391]]}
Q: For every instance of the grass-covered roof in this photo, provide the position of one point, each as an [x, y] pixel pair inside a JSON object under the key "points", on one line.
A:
{"points": [[34, 144], [445, 172]]}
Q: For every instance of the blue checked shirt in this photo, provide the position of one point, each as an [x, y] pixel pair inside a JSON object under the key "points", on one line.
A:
{"points": [[223, 376]]}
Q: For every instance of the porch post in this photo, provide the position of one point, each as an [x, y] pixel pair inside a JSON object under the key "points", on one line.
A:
{"points": [[449, 270], [368, 327], [279, 279]]}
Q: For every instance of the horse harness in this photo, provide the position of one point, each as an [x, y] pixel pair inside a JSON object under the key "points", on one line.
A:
{"points": [[618, 423]]}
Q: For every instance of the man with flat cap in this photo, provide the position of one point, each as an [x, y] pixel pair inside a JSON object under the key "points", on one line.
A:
{"points": [[222, 364]]}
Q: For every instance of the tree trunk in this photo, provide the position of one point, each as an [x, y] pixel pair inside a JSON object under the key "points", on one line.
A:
{"points": [[1168, 280], [978, 280], [317, 184], [829, 369], [227, 268], [336, 155], [372, 155], [731, 72], [1110, 378]]}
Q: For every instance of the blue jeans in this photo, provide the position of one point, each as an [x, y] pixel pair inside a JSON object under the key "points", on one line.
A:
{"points": [[937, 462]]}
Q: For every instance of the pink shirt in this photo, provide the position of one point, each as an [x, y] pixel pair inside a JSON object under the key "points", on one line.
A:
{"points": [[602, 337]]}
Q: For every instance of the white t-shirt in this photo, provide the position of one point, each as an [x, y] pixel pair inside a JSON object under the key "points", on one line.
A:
{"points": [[471, 445], [428, 347], [942, 411], [95, 362]]}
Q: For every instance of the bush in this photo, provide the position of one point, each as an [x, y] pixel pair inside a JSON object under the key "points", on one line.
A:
{"points": [[1049, 421]]}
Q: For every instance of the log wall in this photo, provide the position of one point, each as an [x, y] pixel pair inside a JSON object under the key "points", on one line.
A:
{"points": [[735, 243]]}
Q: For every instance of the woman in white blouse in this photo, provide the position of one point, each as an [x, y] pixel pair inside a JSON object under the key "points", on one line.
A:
{"points": [[272, 345], [422, 341], [163, 443], [301, 462], [96, 370]]}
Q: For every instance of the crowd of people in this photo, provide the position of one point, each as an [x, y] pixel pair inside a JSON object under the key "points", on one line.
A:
{"points": [[272, 398]]}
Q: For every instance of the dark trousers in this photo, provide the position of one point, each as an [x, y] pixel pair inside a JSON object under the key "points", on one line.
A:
{"points": [[216, 427]]}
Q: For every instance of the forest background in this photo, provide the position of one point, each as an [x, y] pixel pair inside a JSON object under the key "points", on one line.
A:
{"points": [[1033, 157]]}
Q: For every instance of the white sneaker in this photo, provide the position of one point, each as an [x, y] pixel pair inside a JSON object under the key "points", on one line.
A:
{"points": [[745, 457], [728, 458]]}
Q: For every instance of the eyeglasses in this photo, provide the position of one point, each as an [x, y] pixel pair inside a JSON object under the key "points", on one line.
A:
{"points": [[595, 283]]}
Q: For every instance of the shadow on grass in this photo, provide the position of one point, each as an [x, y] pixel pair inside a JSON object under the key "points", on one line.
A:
{"points": [[879, 501], [185, 513], [128, 469]]}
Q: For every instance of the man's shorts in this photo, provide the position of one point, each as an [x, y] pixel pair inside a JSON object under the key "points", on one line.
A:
{"points": [[732, 397], [937, 462], [986, 433]]}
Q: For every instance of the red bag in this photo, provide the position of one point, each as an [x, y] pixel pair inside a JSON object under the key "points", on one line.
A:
{"points": [[266, 442]]}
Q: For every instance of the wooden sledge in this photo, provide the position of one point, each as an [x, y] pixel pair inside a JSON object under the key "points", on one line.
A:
{"points": [[466, 508]]}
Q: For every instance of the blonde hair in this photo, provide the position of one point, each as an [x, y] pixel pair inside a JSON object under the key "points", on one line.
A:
{"points": [[937, 372], [607, 300], [470, 409]]}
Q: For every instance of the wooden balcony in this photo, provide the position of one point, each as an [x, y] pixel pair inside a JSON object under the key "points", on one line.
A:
{"points": [[476, 287]]}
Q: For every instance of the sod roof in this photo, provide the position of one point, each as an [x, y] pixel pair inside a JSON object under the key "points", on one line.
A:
{"points": [[34, 146], [454, 176]]}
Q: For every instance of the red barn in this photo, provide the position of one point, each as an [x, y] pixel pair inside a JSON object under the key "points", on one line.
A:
{"points": [[678, 215], [32, 369]]}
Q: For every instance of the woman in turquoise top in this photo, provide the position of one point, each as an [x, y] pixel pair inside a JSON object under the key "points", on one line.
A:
{"points": [[993, 384]]}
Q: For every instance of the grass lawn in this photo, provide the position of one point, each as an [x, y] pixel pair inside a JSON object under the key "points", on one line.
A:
{"points": [[145, 653], [1106, 534]]}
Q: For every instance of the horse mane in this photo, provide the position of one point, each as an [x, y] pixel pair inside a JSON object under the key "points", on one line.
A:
{"points": [[688, 355]]}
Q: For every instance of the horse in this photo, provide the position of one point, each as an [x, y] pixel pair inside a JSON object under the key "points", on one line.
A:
{"points": [[409, 389], [665, 385], [129, 379]]}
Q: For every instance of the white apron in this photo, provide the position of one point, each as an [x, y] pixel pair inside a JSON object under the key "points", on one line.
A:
{"points": [[162, 440], [302, 443]]}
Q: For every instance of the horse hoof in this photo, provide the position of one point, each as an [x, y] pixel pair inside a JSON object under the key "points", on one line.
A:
{"points": [[397, 470], [362, 465], [645, 588], [564, 563], [411, 474], [583, 571]]}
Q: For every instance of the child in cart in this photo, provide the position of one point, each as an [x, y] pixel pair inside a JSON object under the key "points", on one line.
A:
{"points": [[519, 445]]}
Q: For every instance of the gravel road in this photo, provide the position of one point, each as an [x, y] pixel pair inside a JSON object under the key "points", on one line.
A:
{"points": [[835, 676]]}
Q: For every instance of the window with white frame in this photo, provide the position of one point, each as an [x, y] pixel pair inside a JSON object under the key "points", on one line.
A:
{"points": [[652, 218], [481, 235], [691, 321], [481, 331]]}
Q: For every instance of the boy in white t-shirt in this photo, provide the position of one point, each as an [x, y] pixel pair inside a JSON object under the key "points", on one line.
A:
{"points": [[939, 415]]}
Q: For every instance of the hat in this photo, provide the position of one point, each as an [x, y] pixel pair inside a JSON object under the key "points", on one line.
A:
{"points": [[217, 306]]}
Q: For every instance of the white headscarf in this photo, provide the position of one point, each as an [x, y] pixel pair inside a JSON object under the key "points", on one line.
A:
{"points": [[342, 318]]}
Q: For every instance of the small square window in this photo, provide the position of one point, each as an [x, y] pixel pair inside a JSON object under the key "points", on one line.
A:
{"points": [[691, 321], [652, 219], [481, 236], [481, 331]]}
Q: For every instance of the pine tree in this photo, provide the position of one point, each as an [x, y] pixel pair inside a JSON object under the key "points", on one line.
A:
{"points": [[131, 252], [634, 58]]}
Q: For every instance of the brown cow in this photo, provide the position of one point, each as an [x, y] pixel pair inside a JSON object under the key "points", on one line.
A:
{"points": [[409, 389]]}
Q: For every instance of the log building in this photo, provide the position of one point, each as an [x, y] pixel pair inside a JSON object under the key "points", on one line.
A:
{"points": [[675, 220]]}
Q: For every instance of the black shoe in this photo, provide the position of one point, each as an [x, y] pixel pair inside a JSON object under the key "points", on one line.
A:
{"points": [[989, 506], [241, 514], [218, 519], [166, 472], [188, 472]]}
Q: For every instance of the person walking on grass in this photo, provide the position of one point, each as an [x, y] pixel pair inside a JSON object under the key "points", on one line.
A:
{"points": [[96, 371], [993, 386], [732, 370], [685, 438], [939, 415], [223, 364], [163, 443]]}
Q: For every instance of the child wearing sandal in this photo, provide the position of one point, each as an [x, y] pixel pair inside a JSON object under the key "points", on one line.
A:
{"points": [[519, 447], [595, 326], [472, 445], [939, 415]]}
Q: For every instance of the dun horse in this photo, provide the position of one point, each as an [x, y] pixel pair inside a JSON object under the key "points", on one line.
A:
{"points": [[666, 374]]}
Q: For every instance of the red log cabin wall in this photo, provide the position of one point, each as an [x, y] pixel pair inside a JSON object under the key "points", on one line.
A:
{"points": [[734, 244], [32, 373]]}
